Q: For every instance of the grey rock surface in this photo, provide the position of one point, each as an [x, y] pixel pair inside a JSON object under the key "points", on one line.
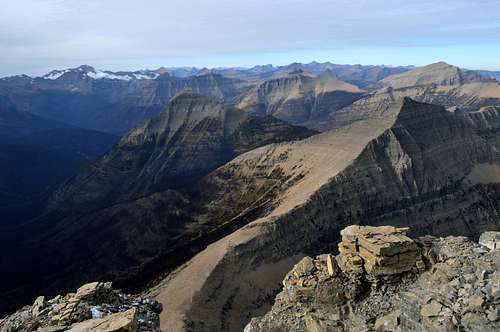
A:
{"points": [[93, 307], [459, 291]]}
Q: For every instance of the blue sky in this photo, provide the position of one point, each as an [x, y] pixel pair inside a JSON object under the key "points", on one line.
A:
{"points": [[37, 36]]}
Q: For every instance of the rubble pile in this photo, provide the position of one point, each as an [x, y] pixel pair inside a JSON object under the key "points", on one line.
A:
{"points": [[93, 307], [382, 280]]}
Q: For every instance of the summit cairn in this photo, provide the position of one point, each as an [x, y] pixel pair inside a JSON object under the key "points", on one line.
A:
{"points": [[382, 251]]}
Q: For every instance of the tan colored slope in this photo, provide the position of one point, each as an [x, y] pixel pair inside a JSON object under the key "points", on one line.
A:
{"points": [[295, 86], [439, 73], [319, 158], [468, 96], [482, 90]]}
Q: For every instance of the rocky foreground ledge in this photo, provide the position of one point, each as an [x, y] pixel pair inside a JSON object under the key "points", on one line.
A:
{"points": [[94, 307], [382, 280]]}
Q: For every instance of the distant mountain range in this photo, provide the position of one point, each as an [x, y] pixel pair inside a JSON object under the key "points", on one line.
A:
{"points": [[105, 101], [235, 172], [492, 74], [115, 102]]}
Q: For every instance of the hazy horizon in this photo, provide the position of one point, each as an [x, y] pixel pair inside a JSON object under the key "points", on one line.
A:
{"points": [[37, 36]]}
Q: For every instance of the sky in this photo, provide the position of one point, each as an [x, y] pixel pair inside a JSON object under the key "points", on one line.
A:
{"points": [[37, 36]]}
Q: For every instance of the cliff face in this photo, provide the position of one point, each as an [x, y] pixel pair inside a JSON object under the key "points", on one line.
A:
{"points": [[299, 98], [433, 284], [409, 166], [487, 123]]}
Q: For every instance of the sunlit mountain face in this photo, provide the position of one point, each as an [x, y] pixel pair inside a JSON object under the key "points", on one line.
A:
{"points": [[256, 166]]}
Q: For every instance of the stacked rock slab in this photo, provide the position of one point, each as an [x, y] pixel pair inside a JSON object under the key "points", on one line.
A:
{"points": [[382, 251], [457, 288]]}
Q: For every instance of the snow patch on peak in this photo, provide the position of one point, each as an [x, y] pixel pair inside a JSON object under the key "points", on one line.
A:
{"points": [[54, 75], [141, 75], [99, 75], [146, 76]]}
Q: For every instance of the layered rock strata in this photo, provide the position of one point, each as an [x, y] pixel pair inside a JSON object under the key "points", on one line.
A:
{"points": [[439, 83], [384, 250], [409, 166], [455, 288]]}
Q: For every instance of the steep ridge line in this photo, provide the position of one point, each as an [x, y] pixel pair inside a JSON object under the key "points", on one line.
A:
{"points": [[239, 272], [323, 156]]}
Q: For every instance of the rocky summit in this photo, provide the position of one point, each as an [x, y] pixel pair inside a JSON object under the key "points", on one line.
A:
{"points": [[94, 306], [415, 165], [383, 280]]}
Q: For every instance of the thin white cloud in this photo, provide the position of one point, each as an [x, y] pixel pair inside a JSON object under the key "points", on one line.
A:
{"points": [[35, 35]]}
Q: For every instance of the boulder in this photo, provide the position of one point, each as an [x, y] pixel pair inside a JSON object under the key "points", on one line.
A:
{"points": [[38, 306], [94, 307], [490, 240], [331, 265], [119, 322], [94, 292]]}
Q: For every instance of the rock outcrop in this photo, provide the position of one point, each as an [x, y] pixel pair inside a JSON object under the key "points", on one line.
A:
{"points": [[446, 284], [487, 123], [380, 251], [93, 307], [407, 167], [490, 240]]}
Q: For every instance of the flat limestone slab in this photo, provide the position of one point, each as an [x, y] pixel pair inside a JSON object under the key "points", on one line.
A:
{"points": [[119, 322]]}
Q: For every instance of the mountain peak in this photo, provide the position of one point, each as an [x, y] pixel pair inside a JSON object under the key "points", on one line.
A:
{"points": [[85, 68], [439, 73], [440, 64]]}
